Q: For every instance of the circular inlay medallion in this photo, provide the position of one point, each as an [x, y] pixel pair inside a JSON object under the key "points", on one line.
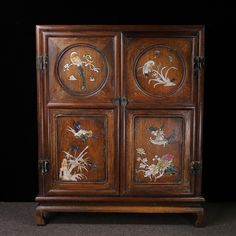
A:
{"points": [[159, 71], [82, 69]]}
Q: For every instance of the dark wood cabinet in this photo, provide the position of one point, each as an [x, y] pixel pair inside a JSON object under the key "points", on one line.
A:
{"points": [[120, 119]]}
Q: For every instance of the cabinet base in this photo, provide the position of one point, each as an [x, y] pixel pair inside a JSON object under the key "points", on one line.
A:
{"points": [[149, 207]]}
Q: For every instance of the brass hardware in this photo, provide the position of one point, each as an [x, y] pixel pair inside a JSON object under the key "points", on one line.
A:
{"points": [[42, 62], [124, 101], [196, 167], [199, 63], [120, 101], [44, 166]]}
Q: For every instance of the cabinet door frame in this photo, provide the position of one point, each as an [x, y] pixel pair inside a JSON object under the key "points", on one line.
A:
{"points": [[186, 187], [159, 37], [110, 187], [57, 94]]}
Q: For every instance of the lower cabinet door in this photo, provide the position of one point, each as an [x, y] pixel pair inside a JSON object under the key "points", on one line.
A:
{"points": [[84, 158], [158, 153]]}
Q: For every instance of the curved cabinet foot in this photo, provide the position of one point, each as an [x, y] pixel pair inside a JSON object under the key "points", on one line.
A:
{"points": [[40, 217], [200, 220]]}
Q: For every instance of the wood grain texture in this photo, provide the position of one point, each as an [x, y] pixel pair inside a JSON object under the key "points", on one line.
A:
{"points": [[140, 48], [134, 62], [198, 211], [179, 184], [103, 177]]}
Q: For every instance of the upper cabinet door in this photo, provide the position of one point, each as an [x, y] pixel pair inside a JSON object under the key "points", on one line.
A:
{"points": [[81, 65], [159, 66]]}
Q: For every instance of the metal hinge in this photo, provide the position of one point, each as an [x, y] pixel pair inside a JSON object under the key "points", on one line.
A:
{"points": [[199, 63], [44, 167], [196, 167], [42, 62], [120, 101]]}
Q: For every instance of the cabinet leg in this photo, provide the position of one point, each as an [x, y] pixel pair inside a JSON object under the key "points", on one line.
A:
{"points": [[40, 218], [200, 220]]}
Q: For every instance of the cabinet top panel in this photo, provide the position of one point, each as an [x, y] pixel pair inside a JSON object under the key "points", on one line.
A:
{"points": [[194, 28]]}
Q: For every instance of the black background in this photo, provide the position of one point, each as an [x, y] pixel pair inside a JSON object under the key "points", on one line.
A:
{"points": [[18, 158]]}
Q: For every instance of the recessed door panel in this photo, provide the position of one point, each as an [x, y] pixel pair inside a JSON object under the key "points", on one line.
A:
{"points": [[158, 152], [83, 153], [158, 146], [159, 68], [82, 68]]}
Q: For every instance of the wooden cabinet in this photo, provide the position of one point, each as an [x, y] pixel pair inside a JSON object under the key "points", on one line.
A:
{"points": [[120, 119]]}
